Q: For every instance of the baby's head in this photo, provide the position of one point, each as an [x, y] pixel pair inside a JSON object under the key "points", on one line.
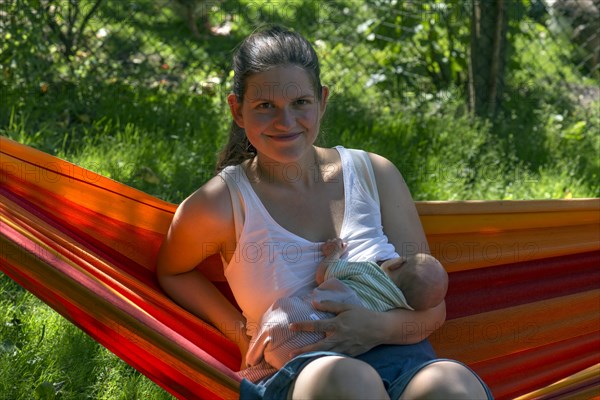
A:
{"points": [[421, 278]]}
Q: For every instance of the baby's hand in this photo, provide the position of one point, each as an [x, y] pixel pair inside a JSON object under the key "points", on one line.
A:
{"points": [[333, 247], [332, 250]]}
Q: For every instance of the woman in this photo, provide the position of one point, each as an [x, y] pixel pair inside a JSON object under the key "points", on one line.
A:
{"points": [[277, 198]]}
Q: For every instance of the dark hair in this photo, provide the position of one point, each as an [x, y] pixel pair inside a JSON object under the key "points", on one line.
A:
{"points": [[261, 51]]}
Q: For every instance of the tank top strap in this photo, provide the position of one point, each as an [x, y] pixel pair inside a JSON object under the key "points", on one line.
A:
{"points": [[363, 168], [234, 177], [241, 191]]}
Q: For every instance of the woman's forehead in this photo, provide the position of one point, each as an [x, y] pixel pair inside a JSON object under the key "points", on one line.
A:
{"points": [[281, 82]]}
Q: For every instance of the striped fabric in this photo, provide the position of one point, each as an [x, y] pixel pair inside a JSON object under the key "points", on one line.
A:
{"points": [[523, 303], [377, 291], [275, 341]]}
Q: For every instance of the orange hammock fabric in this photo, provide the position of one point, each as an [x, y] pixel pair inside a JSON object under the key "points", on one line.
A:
{"points": [[523, 305]]}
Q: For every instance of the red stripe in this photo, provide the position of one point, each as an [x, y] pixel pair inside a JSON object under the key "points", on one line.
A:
{"points": [[486, 289], [522, 372], [154, 368], [207, 341]]}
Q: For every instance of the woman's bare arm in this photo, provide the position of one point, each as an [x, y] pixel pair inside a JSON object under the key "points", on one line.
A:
{"points": [[399, 216], [201, 227], [356, 329], [402, 226]]}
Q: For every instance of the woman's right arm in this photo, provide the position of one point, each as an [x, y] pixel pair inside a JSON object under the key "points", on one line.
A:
{"points": [[202, 226]]}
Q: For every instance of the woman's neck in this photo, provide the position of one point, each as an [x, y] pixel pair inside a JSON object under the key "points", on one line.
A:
{"points": [[303, 172]]}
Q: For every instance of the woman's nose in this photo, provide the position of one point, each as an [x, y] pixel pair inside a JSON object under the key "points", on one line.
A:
{"points": [[284, 119]]}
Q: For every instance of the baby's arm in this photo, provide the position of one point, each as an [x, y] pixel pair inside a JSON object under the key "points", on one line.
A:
{"points": [[332, 250]]}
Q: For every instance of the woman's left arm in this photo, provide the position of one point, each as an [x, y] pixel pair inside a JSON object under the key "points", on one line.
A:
{"points": [[403, 228], [399, 215]]}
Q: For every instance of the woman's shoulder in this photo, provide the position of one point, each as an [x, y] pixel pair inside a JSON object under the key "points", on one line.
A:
{"points": [[390, 182], [383, 168], [377, 160], [201, 226], [208, 208], [211, 199]]}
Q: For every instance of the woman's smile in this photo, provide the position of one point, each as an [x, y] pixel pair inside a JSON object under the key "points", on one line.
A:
{"points": [[281, 113], [286, 137]]}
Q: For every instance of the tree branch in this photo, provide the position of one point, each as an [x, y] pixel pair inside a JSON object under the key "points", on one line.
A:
{"points": [[56, 29], [87, 18]]}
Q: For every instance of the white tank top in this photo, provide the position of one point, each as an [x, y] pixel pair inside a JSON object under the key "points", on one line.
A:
{"points": [[270, 262]]}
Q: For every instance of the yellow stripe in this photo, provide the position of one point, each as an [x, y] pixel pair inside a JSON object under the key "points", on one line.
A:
{"points": [[458, 252], [587, 375]]}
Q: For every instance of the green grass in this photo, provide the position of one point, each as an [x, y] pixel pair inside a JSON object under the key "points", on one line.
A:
{"points": [[43, 356], [158, 129]]}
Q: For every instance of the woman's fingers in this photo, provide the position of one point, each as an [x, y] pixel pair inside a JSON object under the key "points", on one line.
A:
{"points": [[332, 306], [322, 325], [342, 332]]}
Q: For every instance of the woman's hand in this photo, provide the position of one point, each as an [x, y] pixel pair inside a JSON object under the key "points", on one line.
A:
{"points": [[353, 331], [244, 345]]}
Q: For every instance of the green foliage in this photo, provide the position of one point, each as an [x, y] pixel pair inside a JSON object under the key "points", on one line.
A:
{"points": [[432, 49]]}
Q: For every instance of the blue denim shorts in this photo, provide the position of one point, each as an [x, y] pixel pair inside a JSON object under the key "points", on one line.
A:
{"points": [[396, 364]]}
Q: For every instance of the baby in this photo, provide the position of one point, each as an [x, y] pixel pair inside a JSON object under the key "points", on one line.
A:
{"points": [[417, 283]]}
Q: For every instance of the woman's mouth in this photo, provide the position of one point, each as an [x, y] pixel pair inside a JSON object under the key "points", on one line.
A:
{"points": [[285, 137]]}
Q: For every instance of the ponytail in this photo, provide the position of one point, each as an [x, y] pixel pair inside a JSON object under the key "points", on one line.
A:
{"points": [[237, 149]]}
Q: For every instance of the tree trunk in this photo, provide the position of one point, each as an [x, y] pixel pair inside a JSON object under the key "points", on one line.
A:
{"points": [[489, 24]]}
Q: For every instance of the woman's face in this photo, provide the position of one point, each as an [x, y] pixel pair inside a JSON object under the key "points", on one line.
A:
{"points": [[280, 112]]}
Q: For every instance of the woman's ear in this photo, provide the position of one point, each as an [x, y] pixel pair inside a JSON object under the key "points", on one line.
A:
{"points": [[324, 97], [236, 109]]}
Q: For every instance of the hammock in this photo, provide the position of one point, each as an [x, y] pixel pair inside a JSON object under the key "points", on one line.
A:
{"points": [[523, 305]]}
